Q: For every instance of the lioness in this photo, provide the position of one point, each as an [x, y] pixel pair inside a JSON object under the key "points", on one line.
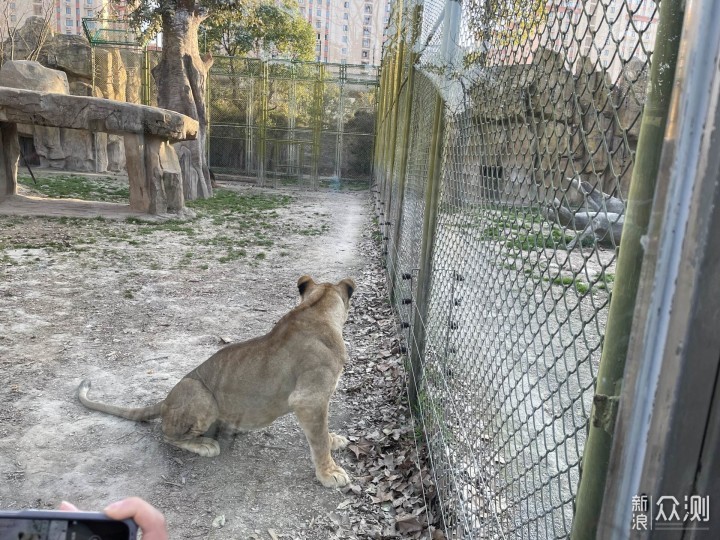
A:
{"points": [[295, 367]]}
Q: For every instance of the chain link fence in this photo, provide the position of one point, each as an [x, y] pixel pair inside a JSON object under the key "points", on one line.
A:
{"points": [[273, 121], [292, 122], [506, 143]]}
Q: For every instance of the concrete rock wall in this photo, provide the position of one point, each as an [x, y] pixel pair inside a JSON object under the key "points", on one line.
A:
{"points": [[542, 125], [117, 76]]}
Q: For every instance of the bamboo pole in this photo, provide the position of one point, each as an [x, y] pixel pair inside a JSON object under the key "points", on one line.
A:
{"points": [[380, 126], [319, 88], [389, 95], [405, 151], [588, 504], [262, 133], [432, 199], [395, 117]]}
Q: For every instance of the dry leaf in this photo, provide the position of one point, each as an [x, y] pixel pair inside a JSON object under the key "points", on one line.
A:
{"points": [[408, 523]]}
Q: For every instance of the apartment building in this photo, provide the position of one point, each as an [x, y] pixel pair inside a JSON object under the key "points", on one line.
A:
{"points": [[347, 31], [14, 12], [66, 15], [609, 32], [70, 13]]}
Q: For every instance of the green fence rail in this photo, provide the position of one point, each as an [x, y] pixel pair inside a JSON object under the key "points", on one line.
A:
{"points": [[506, 144]]}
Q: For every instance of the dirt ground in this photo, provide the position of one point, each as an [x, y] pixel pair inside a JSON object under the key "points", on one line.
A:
{"points": [[133, 307]]}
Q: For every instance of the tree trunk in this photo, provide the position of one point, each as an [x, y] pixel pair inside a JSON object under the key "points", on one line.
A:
{"points": [[181, 79]]}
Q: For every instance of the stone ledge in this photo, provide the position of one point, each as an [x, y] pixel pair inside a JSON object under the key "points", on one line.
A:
{"points": [[93, 114]]}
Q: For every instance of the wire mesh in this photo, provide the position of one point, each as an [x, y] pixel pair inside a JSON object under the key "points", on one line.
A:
{"points": [[521, 217], [291, 122], [272, 121]]}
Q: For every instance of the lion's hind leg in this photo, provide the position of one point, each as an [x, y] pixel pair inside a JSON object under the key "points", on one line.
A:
{"points": [[187, 413]]}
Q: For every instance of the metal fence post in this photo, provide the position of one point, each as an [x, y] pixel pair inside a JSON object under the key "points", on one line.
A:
{"points": [[250, 130], [145, 78], [319, 88], [387, 116], [588, 504], [292, 121], [209, 108], [262, 134], [405, 151], [669, 407], [422, 299], [395, 116], [384, 135], [451, 29], [340, 124], [380, 96]]}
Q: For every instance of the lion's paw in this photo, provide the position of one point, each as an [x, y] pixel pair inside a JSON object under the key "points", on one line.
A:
{"points": [[337, 441], [203, 446], [206, 447], [333, 477]]}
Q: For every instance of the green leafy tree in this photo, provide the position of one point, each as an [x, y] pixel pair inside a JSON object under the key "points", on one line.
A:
{"points": [[358, 147], [263, 28], [181, 75]]}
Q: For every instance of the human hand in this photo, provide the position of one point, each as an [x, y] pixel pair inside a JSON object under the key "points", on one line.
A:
{"points": [[149, 519]]}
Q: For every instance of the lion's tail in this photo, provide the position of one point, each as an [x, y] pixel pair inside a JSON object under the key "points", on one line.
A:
{"points": [[138, 413]]}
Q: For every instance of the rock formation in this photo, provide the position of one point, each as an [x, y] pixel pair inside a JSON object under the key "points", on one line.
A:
{"points": [[117, 76]]}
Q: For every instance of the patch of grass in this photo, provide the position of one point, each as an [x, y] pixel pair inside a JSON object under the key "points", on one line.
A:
{"points": [[40, 244], [581, 287], [314, 231], [563, 280], [233, 255], [128, 294], [79, 187], [262, 240], [78, 221], [289, 180], [261, 256], [172, 225], [521, 230], [345, 185], [221, 240], [604, 281], [230, 203], [567, 281], [531, 240]]}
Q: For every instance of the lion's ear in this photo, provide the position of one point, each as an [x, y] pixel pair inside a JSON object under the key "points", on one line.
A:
{"points": [[304, 283], [349, 285]]}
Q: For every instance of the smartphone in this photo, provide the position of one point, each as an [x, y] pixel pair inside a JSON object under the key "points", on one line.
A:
{"points": [[57, 525]]}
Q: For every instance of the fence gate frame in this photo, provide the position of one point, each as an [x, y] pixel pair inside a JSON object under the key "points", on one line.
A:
{"points": [[298, 140], [667, 437]]}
